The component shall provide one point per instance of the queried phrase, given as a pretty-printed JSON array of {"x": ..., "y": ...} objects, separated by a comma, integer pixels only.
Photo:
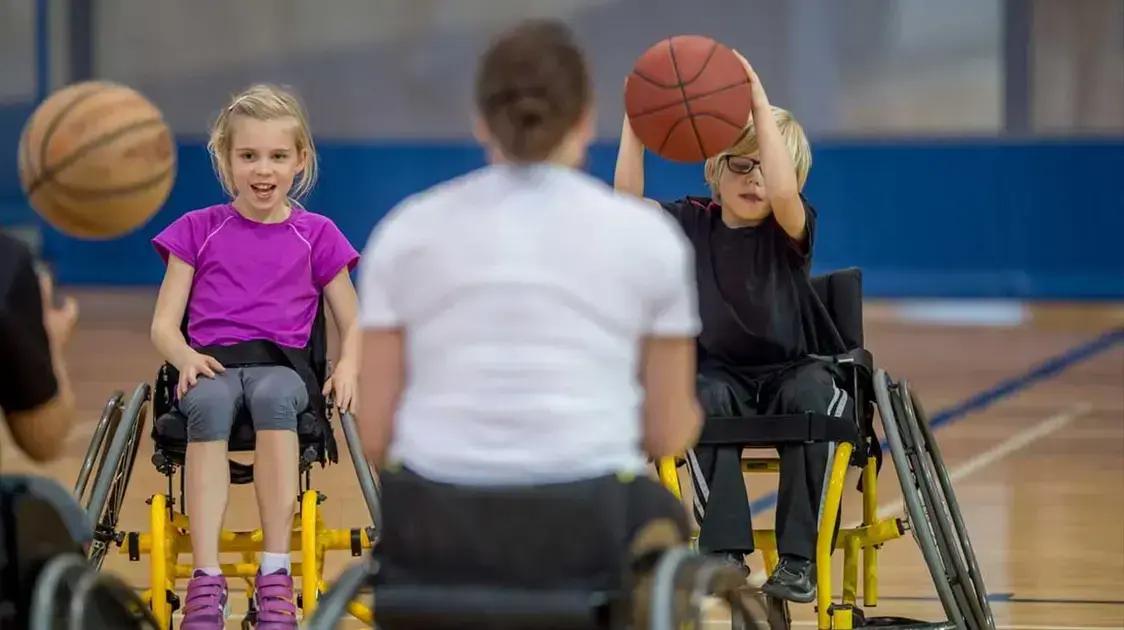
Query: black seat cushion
[
  {"x": 471, "y": 607},
  {"x": 170, "y": 431}
]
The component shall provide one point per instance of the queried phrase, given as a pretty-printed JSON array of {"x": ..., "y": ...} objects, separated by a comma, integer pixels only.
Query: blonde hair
[
  {"x": 794, "y": 140},
  {"x": 263, "y": 102}
]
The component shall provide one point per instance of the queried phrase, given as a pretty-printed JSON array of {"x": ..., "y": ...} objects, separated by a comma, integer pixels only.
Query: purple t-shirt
[{"x": 255, "y": 281}]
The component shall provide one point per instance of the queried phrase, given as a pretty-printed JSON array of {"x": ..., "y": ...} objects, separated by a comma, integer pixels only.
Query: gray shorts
[{"x": 274, "y": 395}]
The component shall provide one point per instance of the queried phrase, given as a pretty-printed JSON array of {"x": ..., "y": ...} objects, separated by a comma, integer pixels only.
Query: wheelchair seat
[
  {"x": 839, "y": 307},
  {"x": 170, "y": 431},
  {"x": 314, "y": 432}
]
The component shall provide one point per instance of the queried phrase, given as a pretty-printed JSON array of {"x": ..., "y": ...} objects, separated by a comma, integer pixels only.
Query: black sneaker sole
[{"x": 781, "y": 592}]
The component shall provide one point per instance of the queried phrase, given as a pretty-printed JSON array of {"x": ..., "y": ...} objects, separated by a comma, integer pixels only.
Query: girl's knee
[
  {"x": 209, "y": 407},
  {"x": 276, "y": 396}
]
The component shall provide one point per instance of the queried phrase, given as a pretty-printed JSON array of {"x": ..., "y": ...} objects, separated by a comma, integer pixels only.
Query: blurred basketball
[
  {"x": 688, "y": 98},
  {"x": 96, "y": 160}
]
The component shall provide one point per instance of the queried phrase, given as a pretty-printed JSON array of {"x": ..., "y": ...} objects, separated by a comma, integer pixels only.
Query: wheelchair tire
[
  {"x": 332, "y": 607},
  {"x": 683, "y": 580},
  {"x": 48, "y": 599},
  {"x": 957, "y": 546},
  {"x": 116, "y": 467},
  {"x": 367, "y": 484},
  {"x": 110, "y": 416},
  {"x": 100, "y": 600},
  {"x": 891, "y": 412}
]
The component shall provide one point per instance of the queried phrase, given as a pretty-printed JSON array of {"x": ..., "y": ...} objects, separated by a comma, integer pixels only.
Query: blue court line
[
  {"x": 1044, "y": 371},
  {"x": 1010, "y": 598}
]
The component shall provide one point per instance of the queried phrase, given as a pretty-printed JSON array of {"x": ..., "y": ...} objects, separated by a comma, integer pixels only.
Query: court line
[
  {"x": 812, "y": 624},
  {"x": 1044, "y": 371},
  {"x": 1018, "y": 441}
]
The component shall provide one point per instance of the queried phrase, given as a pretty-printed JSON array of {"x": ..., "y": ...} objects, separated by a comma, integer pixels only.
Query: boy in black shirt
[{"x": 753, "y": 243}]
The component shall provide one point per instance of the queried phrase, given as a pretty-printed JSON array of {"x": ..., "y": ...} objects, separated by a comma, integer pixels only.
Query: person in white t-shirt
[{"x": 525, "y": 324}]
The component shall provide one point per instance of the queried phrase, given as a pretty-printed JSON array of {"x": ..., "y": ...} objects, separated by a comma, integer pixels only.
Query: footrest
[{"x": 748, "y": 431}]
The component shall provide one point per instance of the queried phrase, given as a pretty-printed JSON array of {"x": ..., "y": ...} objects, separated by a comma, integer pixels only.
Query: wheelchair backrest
[
  {"x": 841, "y": 293},
  {"x": 562, "y": 535}
]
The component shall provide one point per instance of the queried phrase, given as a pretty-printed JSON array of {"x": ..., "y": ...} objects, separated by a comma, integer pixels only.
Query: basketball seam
[
  {"x": 56, "y": 122},
  {"x": 686, "y": 105},
  {"x": 95, "y": 193},
  {"x": 702, "y": 68},
  {"x": 86, "y": 148},
  {"x": 696, "y": 97}
]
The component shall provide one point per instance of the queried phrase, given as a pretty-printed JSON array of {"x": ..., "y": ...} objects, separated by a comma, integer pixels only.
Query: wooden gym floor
[{"x": 1032, "y": 427}]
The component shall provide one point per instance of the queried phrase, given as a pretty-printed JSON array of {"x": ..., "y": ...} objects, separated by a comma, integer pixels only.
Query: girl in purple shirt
[{"x": 249, "y": 271}]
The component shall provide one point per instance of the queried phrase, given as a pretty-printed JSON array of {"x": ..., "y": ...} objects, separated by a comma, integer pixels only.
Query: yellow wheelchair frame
[
  {"x": 112, "y": 452},
  {"x": 169, "y": 537},
  {"x": 867, "y": 537}
]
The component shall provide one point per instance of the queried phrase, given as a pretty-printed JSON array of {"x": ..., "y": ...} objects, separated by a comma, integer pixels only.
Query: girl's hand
[
  {"x": 193, "y": 367},
  {"x": 342, "y": 385}
]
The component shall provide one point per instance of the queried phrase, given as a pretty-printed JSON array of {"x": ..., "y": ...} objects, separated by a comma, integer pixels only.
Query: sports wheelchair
[
  {"x": 933, "y": 513},
  {"x": 112, "y": 453},
  {"x": 45, "y": 581},
  {"x": 559, "y": 556}
]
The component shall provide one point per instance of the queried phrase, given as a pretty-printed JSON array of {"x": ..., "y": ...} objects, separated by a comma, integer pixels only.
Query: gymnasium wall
[{"x": 917, "y": 176}]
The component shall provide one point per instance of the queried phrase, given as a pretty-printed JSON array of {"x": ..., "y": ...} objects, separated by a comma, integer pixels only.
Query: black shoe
[{"x": 793, "y": 580}]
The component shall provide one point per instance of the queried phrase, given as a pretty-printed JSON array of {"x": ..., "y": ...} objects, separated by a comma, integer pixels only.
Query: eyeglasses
[{"x": 742, "y": 165}]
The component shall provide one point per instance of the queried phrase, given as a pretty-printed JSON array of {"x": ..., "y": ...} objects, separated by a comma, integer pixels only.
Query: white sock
[
  {"x": 213, "y": 571},
  {"x": 271, "y": 562}
]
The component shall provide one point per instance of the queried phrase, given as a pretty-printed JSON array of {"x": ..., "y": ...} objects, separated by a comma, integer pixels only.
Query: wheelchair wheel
[
  {"x": 109, "y": 418},
  {"x": 108, "y": 493},
  {"x": 53, "y": 588},
  {"x": 891, "y": 412},
  {"x": 955, "y": 545},
  {"x": 332, "y": 607},
  {"x": 100, "y": 600},
  {"x": 682, "y": 583}
]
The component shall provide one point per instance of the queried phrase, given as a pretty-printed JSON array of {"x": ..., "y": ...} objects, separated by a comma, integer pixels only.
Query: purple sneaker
[
  {"x": 273, "y": 599},
  {"x": 205, "y": 607}
]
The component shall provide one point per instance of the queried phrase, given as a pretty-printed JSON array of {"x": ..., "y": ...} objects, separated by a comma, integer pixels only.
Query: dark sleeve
[
  {"x": 685, "y": 211},
  {"x": 27, "y": 379},
  {"x": 802, "y": 250}
]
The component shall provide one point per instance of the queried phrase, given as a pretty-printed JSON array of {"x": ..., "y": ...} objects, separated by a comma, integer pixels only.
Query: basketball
[
  {"x": 96, "y": 160},
  {"x": 688, "y": 98}
]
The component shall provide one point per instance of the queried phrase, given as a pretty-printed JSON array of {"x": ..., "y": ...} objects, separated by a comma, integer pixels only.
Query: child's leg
[
  {"x": 210, "y": 407},
  {"x": 275, "y": 395},
  {"x": 721, "y": 505},
  {"x": 809, "y": 388}
]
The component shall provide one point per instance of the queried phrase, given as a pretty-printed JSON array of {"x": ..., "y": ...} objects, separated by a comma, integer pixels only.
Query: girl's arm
[
  {"x": 344, "y": 303},
  {"x": 165, "y": 332}
]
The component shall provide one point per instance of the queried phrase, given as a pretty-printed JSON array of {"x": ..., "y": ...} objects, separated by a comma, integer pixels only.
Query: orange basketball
[
  {"x": 96, "y": 160},
  {"x": 688, "y": 98}
]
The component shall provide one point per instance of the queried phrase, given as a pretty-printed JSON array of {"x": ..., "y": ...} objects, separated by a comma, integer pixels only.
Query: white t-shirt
[{"x": 525, "y": 293}]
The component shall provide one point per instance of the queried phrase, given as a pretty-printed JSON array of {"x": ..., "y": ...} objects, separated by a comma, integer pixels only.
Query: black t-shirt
[
  {"x": 754, "y": 287},
  {"x": 27, "y": 378}
]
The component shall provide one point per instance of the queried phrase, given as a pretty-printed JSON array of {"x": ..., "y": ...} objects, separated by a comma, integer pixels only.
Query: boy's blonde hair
[
  {"x": 263, "y": 102},
  {"x": 746, "y": 143}
]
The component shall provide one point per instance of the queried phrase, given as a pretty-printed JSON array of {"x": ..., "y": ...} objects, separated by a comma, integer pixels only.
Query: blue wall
[{"x": 963, "y": 218}]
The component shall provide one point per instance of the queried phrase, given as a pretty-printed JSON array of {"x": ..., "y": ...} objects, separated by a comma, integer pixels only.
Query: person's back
[{"x": 527, "y": 289}]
